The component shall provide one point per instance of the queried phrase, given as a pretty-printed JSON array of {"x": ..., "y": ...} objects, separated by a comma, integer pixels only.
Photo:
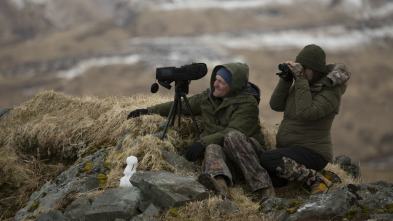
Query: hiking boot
[
  {"x": 320, "y": 186},
  {"x": 267, "y": 192},
  {"x": 332, "y": 177},
  {"x": 218, "y": 186}
]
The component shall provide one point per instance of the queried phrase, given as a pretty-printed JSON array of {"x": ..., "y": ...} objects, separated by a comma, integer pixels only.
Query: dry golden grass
[{"x": 41, "y": 137}]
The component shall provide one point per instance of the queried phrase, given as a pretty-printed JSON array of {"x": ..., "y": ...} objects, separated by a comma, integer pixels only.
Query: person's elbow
[{"x": 277, "y": 107}]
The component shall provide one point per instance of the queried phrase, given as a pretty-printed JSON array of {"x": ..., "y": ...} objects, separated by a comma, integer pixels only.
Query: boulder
[
  {"x": 351, "y": 201},
  {"x": 167, "y": 189},
  {"x": 120, "y": 203},
  {"x": 179, "y": 162},
  {"x": 54, "y": 215},
  {"x": 76, "y": 210}
]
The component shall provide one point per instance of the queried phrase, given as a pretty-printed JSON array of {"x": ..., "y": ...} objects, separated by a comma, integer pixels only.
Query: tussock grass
[
  {"x": 209, "y": 209},
  {"x": 42, "y": 137}
]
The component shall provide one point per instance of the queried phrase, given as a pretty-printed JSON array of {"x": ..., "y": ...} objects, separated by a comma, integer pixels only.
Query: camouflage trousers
[
  {"x": 237, "y": 160},
  {"x": 291, "y": 170}
]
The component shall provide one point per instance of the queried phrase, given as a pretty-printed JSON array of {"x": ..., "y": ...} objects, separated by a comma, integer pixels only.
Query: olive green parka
[
  {"x": 309, "y": 110},
  {"x": 237, "y": 111}
]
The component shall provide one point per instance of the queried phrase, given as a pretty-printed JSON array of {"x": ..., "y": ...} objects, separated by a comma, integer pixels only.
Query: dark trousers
[{"x": 270, "y": 160}]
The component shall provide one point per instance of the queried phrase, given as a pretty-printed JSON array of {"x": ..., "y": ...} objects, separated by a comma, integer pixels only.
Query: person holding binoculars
[{"x": 309, "y": 93}]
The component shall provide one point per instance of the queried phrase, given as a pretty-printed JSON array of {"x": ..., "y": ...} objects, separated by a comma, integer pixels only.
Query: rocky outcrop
[
  {"x": 158, "y": 191},
  {"x": 154, "y": 192},
  {"x": 79, "y": 178},
  {"x": 363, "y": 201}
]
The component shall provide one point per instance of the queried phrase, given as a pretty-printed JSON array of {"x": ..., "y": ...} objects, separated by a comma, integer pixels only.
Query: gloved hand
[
  {"x": 286, "y": 73},
  {"x": 194, "y": 151},
  {"x": 289, "y": 77},
  {"x": 137, "y": 113},
  {"x": 298, "y": 71}
]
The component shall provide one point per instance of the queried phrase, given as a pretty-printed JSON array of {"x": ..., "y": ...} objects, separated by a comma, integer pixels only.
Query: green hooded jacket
[
  {"x": 309, "y": 110},
  {"x": 237, "y": 111}
]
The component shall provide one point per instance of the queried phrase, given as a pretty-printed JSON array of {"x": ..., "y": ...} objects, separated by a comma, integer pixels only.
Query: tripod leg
[
  {"x": 192, "y": 115},
  {"x": 178, "y": 110},
  {"x": 171, "y": 112},
  {"x": 173, "y": 115}
]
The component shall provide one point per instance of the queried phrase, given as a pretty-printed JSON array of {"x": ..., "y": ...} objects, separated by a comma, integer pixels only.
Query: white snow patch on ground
[{"x": 82, "y": 66}]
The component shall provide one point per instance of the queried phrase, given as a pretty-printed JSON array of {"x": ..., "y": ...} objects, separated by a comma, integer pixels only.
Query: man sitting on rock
[{"x": 232, "y": 139}]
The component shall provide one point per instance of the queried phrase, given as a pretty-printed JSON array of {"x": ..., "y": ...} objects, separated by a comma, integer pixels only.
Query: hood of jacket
[
  {"x": 239, "y": 73},
  {"x": 338, "y": 75}
]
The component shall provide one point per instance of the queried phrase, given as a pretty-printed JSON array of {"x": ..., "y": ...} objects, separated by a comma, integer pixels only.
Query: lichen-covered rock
[
  {"x": 120, "y": 203},
  {"x": 167, "y": 189},
  {"x": 54, "y": 215},
  {"x": 79, "y": 178},
  {"x": 178, "y": 162},
  {"x": 349, "y": 202}
]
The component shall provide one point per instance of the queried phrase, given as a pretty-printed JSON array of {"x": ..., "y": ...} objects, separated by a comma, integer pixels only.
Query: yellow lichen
[
  {"x": 102, "y": 178},
  {"x": 389, "y": 208},
  {"x": 351, "y": 214},
  {"x": 173, "y": 212},
  {"x": 34, "y": 206},
  {"x": 292, "y": 206},
  {"x": 363, "y": 208},
  {"x": 87, "y": 167}
]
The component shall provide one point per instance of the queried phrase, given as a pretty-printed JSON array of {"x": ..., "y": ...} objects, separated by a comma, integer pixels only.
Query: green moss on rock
[
  {"x": 351, "y": 214},
  {"x": 292, "y": 206},
  {"x": 389, "y": 208},
  {"x": 365, "y": 210},
  {"x": 34, "y": 206}
]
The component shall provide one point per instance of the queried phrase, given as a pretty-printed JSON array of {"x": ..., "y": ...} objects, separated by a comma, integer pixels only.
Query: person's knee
[
  {"x": 270, "y": 160},
  {"x": 233, "y": 134},
  {"x": 232, "y": 139},
  {"x": 212, "y": 147}
]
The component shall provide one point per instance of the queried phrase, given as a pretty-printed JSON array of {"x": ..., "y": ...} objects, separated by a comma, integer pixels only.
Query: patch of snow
[
  {"x": 331, "y": 38},
  {"x": 386, "y": 10},
  {"x": 229, "y": 5},
  {"x": 82, "y": 66}
]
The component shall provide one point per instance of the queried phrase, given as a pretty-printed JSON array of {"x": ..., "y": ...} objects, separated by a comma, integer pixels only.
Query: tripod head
[{"x": 181, "y": 86}]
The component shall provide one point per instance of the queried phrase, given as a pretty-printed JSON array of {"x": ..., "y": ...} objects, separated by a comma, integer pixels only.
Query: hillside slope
[{"x": 46, "y": 135}]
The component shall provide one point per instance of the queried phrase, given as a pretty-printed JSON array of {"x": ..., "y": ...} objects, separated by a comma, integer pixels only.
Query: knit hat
[
  {"x": 224, "y": 73},
  {"x": 312, "y": 57}
]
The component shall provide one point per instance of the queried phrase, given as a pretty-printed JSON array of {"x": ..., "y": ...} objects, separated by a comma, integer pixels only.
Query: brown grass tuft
[{"x": 209, "y": 209}]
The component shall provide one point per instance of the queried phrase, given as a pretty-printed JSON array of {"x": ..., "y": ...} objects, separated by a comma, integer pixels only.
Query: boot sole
[{"x": 208, "y": 181}]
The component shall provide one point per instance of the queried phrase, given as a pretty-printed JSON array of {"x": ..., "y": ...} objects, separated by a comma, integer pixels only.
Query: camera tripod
[{"x": 181, "y": 90}]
